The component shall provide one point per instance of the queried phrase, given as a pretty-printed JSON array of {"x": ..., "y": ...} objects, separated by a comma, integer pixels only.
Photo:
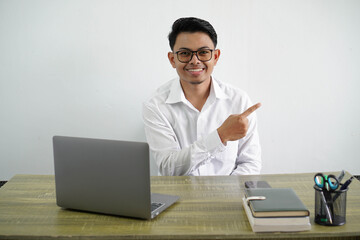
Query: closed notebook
[
  {"x": 279, "y": 202},
  {"x": 276, "y": 224}
]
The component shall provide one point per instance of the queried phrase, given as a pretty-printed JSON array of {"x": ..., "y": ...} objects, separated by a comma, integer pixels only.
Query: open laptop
[{"x": 106, "y": 176}]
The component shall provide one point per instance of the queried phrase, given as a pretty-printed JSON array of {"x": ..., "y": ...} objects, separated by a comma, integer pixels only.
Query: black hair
[{"x": 191, "y": 25}]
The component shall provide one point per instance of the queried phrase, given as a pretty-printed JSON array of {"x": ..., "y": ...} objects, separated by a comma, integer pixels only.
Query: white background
[{"x": 83, "y": 68}]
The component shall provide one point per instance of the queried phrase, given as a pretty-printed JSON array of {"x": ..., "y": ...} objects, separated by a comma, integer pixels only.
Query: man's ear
[
  {"x": 216, "y": 55},
  {"x": 171, "y": 57}
]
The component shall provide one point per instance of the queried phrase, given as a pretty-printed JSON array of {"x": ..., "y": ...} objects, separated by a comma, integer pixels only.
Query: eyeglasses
[{"x": 203, "y": 55}]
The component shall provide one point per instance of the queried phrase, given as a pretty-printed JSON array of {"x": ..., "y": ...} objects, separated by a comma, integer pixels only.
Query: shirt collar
[
  {"x": 177, "y": 94},
  {"x": 217, "y": 90}
]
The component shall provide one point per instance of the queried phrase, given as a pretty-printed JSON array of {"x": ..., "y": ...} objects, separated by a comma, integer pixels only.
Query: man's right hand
[{"x": 235, "y": 126}]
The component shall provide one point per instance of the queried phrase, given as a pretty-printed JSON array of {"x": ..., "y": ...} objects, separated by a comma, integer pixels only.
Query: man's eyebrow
[{"x": 205, "y": 47}]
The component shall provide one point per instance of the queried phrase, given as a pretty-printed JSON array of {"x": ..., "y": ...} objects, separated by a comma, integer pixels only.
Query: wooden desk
[{"x": 209, "y": 208}]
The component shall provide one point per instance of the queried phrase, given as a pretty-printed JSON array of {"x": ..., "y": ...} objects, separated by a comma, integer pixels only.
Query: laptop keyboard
[{"x": 155, "y": 206}]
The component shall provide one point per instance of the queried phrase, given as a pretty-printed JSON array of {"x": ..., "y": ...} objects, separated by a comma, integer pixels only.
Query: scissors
[{"x": 326, "y": 182}]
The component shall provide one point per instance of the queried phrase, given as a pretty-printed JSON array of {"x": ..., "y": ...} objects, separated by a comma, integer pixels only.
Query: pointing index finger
[{"x": 251, "y": 110}]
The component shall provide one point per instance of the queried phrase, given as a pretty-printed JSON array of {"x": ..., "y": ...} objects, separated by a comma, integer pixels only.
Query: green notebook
[{"x": 279, "y": 202}]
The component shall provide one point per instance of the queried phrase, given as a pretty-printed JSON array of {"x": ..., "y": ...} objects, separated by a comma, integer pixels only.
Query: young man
[{"x": 194, "y": 124}]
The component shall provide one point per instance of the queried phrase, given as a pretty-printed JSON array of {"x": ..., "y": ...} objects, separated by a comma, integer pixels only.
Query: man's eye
[
  {"x": 203, "y": 52},
  {"x": 184, "y": 54}
]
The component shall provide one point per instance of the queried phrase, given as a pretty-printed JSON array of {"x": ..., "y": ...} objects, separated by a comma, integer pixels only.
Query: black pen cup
[{"x": 330, "y": 207}]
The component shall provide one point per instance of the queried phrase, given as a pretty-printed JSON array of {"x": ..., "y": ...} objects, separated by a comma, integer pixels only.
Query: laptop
[{"x": 106, "y": 176}]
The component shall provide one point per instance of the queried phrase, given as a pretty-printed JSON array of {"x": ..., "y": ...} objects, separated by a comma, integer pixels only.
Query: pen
[
  {"x": 346, "y": 184},
  {"x": 343, "y": 187},
  {"x": 341, "y": 176}
]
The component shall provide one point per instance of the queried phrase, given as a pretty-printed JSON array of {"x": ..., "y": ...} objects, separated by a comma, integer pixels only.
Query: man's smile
[{"x": 195, "y": 71}]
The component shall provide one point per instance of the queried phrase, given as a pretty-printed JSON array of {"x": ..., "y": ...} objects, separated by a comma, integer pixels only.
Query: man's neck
[{"x": 196, "y": 94}]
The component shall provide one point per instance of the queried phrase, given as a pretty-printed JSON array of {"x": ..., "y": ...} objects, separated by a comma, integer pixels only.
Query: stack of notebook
[{"x": 281, "y": 210}]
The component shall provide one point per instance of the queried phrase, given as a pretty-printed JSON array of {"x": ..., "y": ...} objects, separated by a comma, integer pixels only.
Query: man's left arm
[{"x": 248, "y": 159}]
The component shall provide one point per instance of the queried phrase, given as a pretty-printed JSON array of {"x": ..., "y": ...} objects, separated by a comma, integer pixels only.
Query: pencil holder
[{"x": 330, "y": 207}]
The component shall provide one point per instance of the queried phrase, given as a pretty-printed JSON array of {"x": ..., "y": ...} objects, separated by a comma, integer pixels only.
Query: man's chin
[{"x": 196, "y": 82}]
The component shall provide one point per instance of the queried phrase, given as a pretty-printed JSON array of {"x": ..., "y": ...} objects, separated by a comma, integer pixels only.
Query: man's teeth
[{"x": 195, "y": 70}]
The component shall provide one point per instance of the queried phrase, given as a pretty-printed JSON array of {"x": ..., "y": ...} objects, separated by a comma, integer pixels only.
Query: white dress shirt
[{"x": 185, "y": 141}]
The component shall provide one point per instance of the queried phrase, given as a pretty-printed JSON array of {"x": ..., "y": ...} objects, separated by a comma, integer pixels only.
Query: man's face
[{"x": 195, "y": 71}]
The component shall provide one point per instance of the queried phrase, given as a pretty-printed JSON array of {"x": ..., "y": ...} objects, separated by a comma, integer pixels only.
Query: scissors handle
[
  {"x": 319, "y": 180},
  {"x": 326, "y": 182},
  {"x": 333, "y": 182}
]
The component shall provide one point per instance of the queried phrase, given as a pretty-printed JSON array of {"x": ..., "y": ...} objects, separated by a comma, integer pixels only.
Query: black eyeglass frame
[{"x": 196, "y": 53}]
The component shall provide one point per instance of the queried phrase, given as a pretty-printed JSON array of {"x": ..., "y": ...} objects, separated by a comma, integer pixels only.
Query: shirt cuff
[{"x": 213, "y": 142}]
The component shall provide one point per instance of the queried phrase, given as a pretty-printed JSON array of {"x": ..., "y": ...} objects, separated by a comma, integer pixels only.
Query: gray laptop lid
[{"x": 105, "y": 176}]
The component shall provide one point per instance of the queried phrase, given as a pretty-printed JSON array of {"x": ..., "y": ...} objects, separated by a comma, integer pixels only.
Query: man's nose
[{"x": 194, "y": 59}]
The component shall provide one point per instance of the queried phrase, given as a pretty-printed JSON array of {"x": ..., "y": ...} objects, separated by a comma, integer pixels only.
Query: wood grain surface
[{"x": 209, "y": 208}]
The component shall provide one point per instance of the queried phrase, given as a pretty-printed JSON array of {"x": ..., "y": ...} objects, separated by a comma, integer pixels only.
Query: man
[{"x": 192, "y": 123}]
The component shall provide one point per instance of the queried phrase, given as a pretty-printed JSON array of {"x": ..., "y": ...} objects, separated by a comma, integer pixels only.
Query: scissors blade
[{"x": 327, "y": 209}]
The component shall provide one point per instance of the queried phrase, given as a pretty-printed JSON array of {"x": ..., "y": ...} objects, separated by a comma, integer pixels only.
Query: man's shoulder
[
  {"x": 166, "y": 87},
  {"x": 161, "y": 93}
]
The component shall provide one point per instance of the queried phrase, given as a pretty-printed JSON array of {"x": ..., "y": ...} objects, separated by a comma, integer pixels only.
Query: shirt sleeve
[
  {"x": 248, "y": 160},
  {"x": 171, "y": 159}
]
